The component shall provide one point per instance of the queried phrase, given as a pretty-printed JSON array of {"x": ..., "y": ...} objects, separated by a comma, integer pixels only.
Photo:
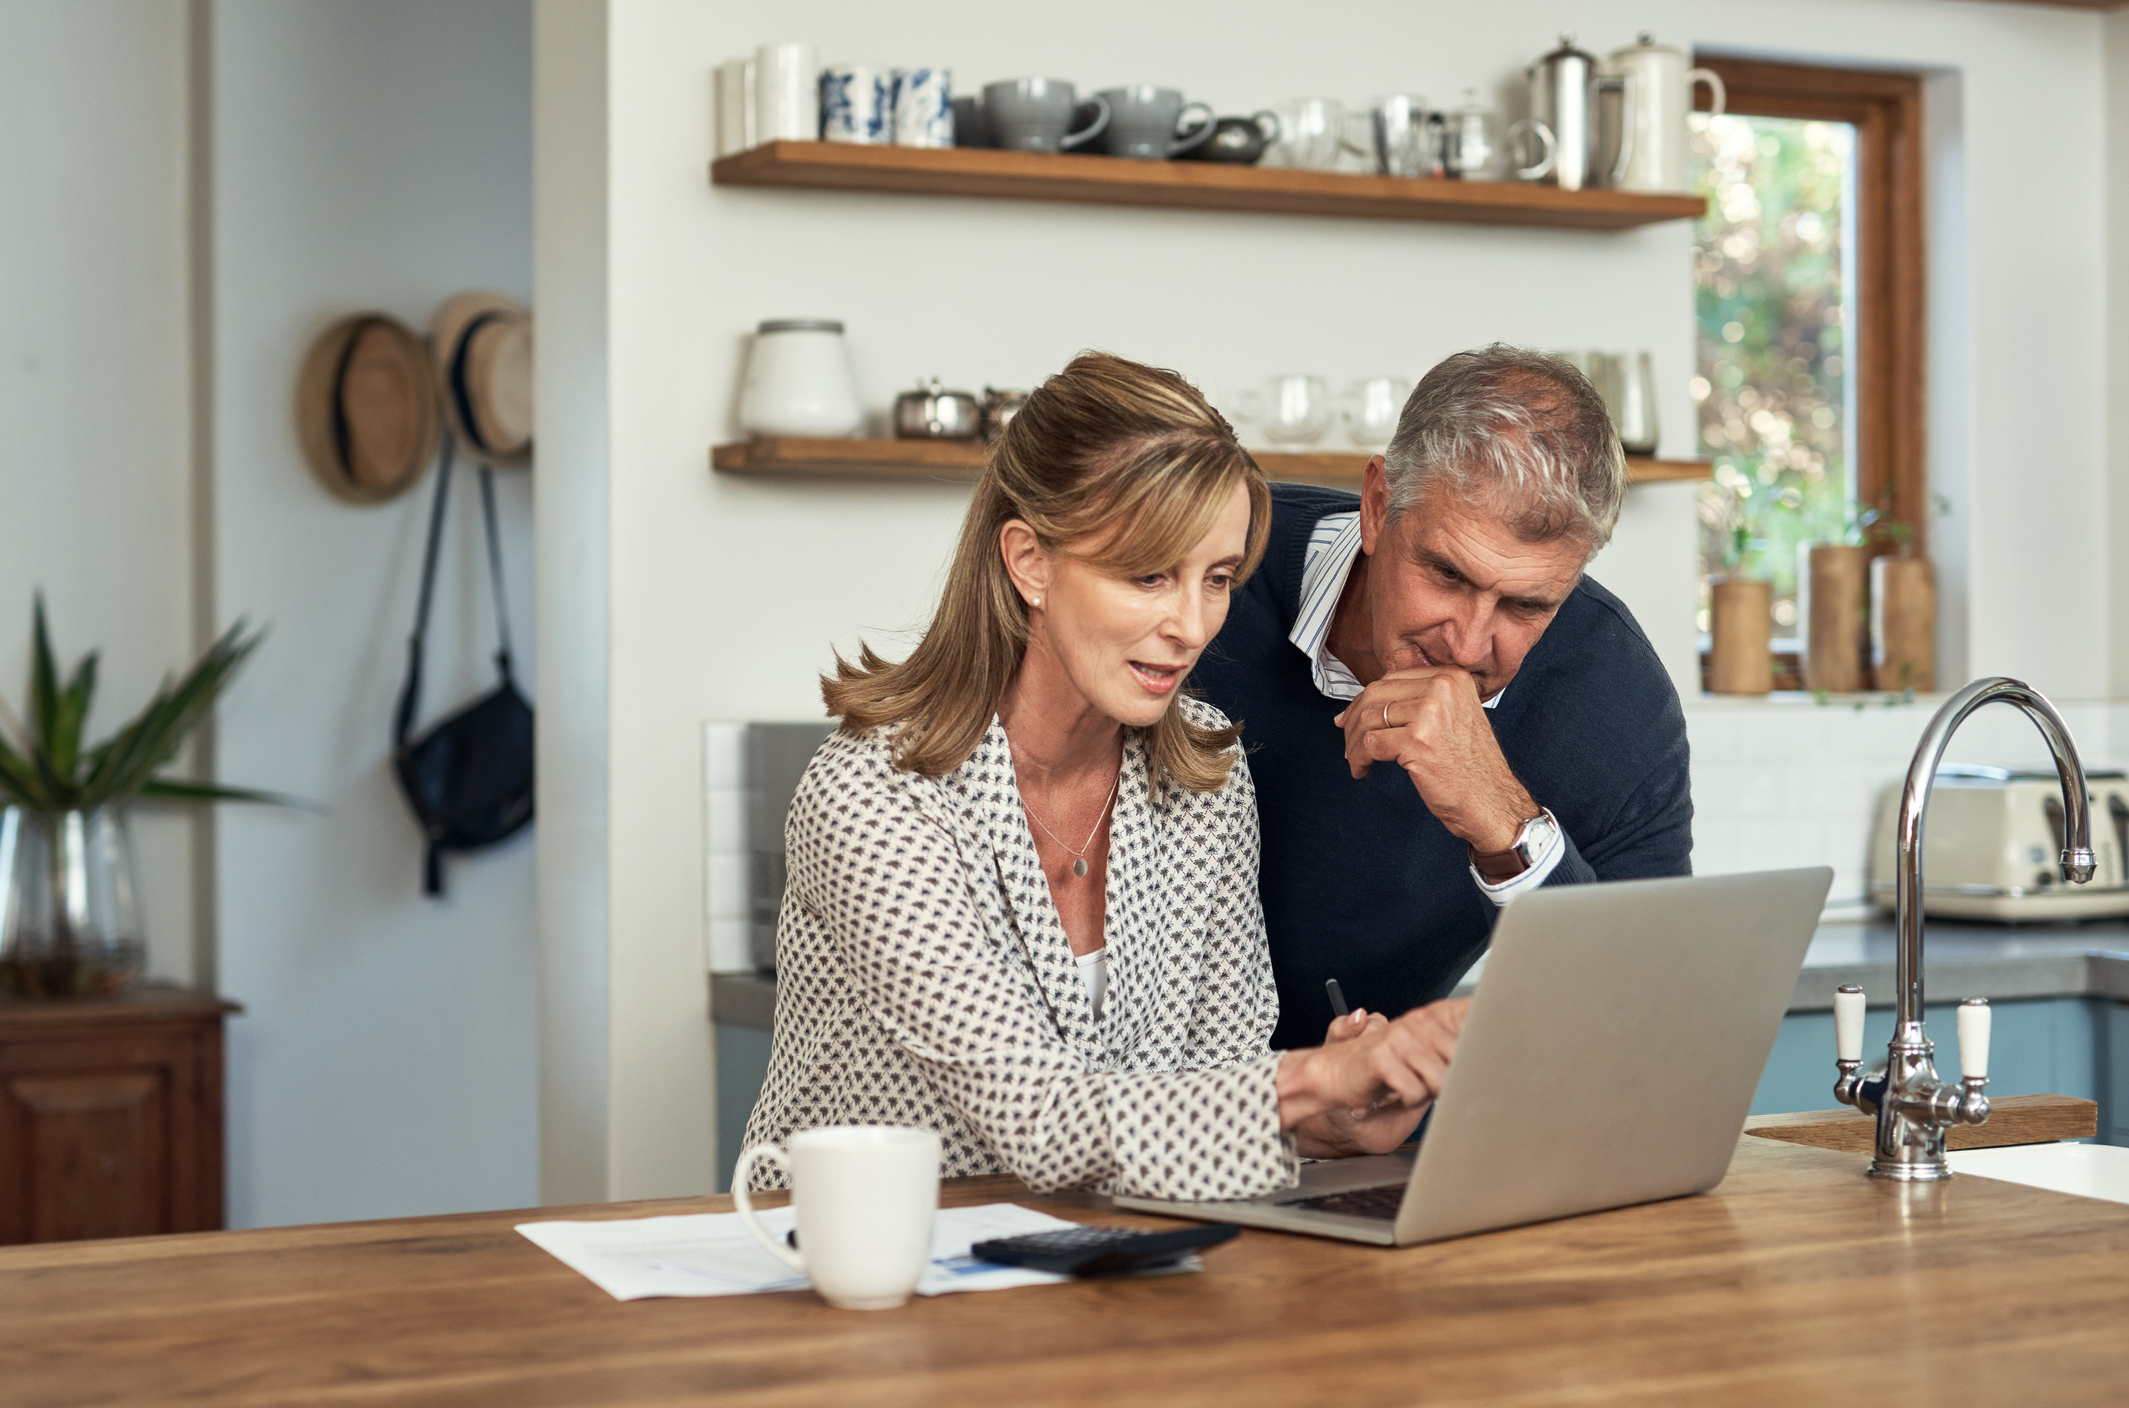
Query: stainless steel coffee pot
[{"x": 1564, "y": 89}]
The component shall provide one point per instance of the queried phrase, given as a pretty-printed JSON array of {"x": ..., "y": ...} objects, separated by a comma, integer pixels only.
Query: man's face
[{"x": 1450, "y": 584}]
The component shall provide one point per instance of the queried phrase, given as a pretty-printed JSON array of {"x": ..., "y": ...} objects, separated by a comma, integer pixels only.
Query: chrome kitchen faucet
[{"x": 1915, "y": 1108}]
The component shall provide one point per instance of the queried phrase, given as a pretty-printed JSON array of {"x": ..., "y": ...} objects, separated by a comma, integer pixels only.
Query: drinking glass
[
  {"x": 1399, "y": 139},
  {"x": 1311, "y": 135},
  {"x": 1370, "y": 408},
  {"x": 1295, "y": 409}
]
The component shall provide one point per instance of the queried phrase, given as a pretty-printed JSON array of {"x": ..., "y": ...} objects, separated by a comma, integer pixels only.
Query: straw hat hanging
[
  {"x": 366, "y": 408},
  {"x": 483, "y": 347}
]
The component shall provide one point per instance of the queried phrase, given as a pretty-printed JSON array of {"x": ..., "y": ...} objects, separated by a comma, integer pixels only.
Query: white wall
[
  {"x": 725, "y": 595},
  {"x": 364, "y": 156},
  {"x": 95, "y": 450},
  {"x": 2115, "y": 282}
]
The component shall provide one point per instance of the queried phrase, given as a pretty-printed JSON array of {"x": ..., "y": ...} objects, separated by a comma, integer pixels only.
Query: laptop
[{"x": 1609, "y": 1058}]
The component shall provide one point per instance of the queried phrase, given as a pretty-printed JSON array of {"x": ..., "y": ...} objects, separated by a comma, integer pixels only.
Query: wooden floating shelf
[
  {"x": 1189, "y": 185},
  {"x": 962, "y": 460}
]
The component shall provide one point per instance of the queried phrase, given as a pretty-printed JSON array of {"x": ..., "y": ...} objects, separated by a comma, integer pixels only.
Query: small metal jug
[{"x": 1564, "y": 89}]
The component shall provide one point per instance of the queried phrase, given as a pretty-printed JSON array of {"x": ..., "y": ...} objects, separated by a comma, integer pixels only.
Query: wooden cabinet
[{"x": 111, "y": 1116}]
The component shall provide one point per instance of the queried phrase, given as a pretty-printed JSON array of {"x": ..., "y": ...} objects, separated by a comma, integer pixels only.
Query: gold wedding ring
[{"x": 1386, "y": 716}]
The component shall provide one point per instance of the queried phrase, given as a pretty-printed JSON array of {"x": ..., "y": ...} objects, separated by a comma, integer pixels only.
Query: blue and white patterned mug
[
  {"x": 923, "y": 107},
  {"x": 855, "y": 104}
]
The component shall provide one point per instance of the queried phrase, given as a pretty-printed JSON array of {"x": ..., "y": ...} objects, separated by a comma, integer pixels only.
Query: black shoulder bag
[{"x": 468, "y": 779}]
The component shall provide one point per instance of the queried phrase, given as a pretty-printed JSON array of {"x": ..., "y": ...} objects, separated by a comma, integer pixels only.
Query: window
[{"x": 1808, "y": 294}]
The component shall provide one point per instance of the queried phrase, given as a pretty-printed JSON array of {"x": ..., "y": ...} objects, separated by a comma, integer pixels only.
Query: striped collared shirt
[{"x": 1333, "y": 546}]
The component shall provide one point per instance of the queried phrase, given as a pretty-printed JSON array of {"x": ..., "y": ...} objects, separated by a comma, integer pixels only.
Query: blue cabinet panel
[
  {"x": 2112, "y": 1022},
  {"x": 742, "y": 1065},
  {"x": 2045, "y": 1046}
]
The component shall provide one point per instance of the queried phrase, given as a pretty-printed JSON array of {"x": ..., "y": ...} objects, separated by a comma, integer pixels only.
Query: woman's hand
[{"x": 1365, "y": 1088}]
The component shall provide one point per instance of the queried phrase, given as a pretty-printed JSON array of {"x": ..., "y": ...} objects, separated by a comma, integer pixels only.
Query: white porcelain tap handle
[
  {"x": 1974, "y": 1038},
  {"x": 1848, "y": 1023}
]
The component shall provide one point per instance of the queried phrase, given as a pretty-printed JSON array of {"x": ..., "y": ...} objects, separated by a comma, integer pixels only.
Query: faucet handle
[
  {"x": 1974, "y": 1039},
  {"x": 1848, "y": 1023}
]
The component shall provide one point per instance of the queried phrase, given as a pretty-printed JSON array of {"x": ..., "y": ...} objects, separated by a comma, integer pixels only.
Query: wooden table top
[{"x": 1797, "y": 1281}]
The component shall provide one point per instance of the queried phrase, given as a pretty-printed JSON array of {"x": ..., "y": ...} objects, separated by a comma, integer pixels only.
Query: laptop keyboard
[{"x": 1379, "y": 1203}]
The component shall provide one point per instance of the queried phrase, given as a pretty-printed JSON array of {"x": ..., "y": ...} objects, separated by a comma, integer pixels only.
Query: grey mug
[
  {"x": 972, "y": 126},
  {"x": 1144, "y": 121},
  {"x": 1036, "y": 115}
]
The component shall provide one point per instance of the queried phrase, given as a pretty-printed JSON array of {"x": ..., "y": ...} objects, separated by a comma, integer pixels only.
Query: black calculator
[{"x": 1102, "y": 1251}]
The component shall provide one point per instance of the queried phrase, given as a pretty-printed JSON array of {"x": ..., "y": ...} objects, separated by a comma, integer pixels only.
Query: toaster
[{"x": 1992, "y": 847}]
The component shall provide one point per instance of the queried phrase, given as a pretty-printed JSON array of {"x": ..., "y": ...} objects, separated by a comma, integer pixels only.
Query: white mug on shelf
[
  {"x": 735, "y": 106},
  {"x": 856, "y": 105},
  {"x": 864, "y": 1197},
  {"x": 787, "y": 95},
  {"x": 798, "y": 381},
  {"x": 923, "y": 107}
]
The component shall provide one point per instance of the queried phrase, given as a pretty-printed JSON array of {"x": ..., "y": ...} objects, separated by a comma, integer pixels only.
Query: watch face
[{"x": 1537, "y": 837}]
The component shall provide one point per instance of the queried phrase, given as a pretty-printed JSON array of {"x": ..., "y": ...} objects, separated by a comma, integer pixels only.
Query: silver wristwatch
[{"x": 1532, "y": 841}]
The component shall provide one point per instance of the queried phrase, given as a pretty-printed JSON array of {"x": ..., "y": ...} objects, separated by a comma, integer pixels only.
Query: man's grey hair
[{"x": 1515, "y": 431}]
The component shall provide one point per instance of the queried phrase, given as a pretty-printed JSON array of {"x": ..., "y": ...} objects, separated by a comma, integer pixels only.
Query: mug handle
[
  {"x": 1275, "y": 131},
  {"x": 1197, "y": 138},
  {"x": 1543, "y": 166},
  {"x": 745, "y": 1204},
  {"x": 1088, "y": 133},
  {"x": 1629, "y": 97},
  {"x": 1714, "y": 82}
]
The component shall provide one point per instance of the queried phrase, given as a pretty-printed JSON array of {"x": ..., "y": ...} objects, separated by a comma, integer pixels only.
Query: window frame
[{"x": 1885, "y": 352}]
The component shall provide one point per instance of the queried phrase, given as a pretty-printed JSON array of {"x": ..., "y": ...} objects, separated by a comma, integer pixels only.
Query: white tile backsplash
[
  {"x": 1788, "y": 781},
  {"x": 724, "y": 870},
  {"x": 1777, "y": 782}
]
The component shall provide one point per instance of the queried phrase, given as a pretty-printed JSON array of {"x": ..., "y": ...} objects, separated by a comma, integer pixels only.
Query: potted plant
[
  {"x": 69, "y": 919},
  {"x": 1740, "y": 623},
  {"x": 1903, "y": 608}
]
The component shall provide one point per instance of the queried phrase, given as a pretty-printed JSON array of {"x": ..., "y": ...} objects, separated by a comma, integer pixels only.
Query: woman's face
[{"x": 1126, "y": 644}]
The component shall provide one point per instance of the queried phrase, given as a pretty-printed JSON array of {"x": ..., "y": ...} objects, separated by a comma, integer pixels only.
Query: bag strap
[
  {"x": 410, "y": 693},
  {"x": 495, "y": 574},
  {"x": 404, "y": 716}
]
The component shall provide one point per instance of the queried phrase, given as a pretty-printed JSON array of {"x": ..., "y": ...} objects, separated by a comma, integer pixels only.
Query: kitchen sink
[{"x": 2088, "y": 1170}]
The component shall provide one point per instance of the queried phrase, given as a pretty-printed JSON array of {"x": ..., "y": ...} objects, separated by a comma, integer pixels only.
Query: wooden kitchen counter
[{"x": 1797, "y": 1281}]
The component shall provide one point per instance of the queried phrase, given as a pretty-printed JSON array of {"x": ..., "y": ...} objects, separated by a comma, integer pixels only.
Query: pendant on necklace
[{"x": 1079, "y": 867}]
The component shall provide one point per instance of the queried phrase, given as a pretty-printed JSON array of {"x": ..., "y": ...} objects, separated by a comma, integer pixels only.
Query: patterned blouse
[{"x": 924, "y": 978}]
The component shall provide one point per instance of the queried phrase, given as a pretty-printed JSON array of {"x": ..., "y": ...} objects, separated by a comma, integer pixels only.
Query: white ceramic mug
[
  {"x": 857, "y": 105},
  {"x": 798, "y": 381},
  {"x": 735, "y": 106},
  {"x": 787, "y": 94},
  {"x": 864, "y": 1197},
  {"x": 923, "y": 107}
]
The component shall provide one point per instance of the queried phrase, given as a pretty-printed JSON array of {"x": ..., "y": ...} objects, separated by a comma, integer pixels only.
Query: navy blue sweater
[{"x": 1360, "y": 882}]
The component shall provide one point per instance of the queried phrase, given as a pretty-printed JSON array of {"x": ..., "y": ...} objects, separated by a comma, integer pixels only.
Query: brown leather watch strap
[{"x": 1500, "y": 865}]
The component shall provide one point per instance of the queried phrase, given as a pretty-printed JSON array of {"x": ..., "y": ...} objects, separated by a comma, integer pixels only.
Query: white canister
[
  {"x": 1659, "y": 97},
  {"x": 735, "y": 106},
  {"x": 787, "y": 95},
  {"x": 923, "y": 107},
  {"x": 798, "y": 381},
  {"x": 856, "y": 105}
]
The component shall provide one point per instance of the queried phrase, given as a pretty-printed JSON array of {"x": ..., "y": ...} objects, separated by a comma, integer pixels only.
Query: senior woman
[{"x": 1022, "y": 900}]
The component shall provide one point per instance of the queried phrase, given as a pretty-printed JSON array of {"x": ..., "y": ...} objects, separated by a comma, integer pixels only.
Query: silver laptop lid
[{"x": 1612, "y": 1049}]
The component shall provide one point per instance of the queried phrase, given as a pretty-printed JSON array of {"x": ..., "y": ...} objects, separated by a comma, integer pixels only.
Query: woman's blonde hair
[{"x": 1125, "y": 461}]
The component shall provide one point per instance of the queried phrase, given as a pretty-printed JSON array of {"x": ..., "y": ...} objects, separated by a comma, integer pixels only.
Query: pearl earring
[{"x": 1034, "y": 601}]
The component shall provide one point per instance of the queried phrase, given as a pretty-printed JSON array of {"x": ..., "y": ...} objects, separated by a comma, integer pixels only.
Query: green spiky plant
[
  {"x": 43, "y": 765},
  {"x": 44, "y": 769}
]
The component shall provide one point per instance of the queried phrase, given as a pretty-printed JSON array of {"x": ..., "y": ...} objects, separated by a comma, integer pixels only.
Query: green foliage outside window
[{"x": 1771, "y": 302}]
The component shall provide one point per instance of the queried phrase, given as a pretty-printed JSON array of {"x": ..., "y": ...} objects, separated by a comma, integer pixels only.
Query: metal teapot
[{"x": 1564, "y": 89}]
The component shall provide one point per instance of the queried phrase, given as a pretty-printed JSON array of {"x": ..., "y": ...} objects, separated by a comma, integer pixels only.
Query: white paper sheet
[{"x": 712, "y": 1254}]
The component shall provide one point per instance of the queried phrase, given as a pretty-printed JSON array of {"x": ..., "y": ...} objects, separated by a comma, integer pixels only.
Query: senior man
[{"x": 1440, "y": 626}]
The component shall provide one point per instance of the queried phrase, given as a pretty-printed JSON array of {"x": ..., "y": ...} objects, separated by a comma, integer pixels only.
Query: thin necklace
[{"x": 1079, "y": 863}]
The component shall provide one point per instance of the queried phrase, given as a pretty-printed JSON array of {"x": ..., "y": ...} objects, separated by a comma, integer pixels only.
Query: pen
[{"x": 1337, "y": 997}]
